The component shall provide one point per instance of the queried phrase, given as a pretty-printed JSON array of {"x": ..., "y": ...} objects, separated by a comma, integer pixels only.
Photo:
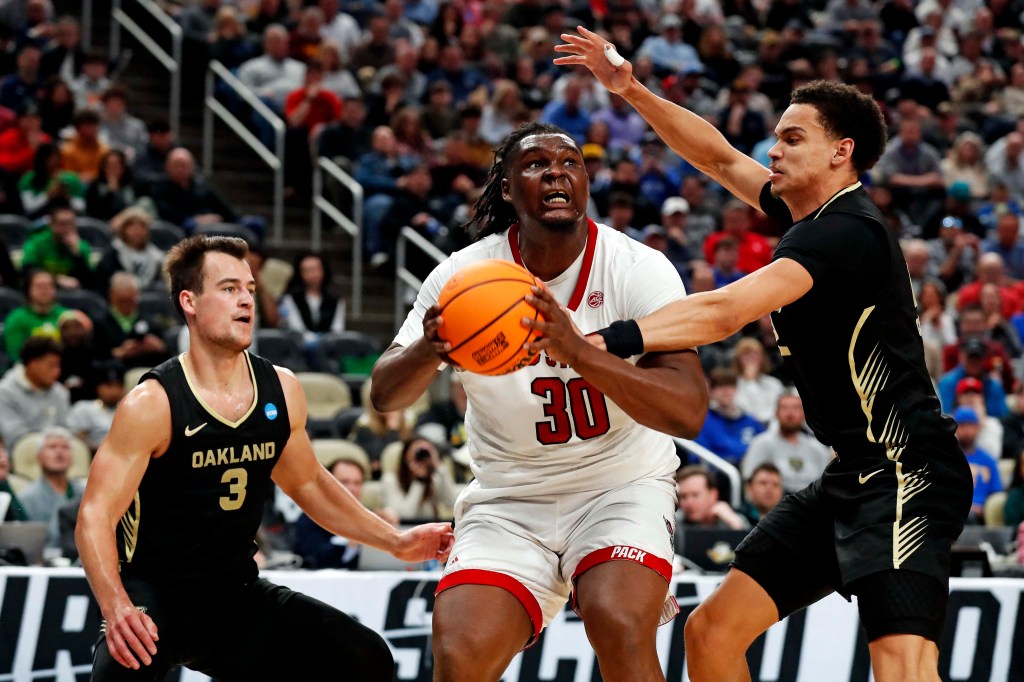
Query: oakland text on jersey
[{"x": 228, "y": 455}]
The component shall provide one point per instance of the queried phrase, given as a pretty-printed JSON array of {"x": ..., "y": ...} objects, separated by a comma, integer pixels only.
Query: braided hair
[{"x": 492, "y": 214}]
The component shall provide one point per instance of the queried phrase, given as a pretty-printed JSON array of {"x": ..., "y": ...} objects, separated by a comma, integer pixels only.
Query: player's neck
[
  {"x": 547, "y": 253},
  {"x": 216, "y": 369},
  {"x": 816, "y": 196}
]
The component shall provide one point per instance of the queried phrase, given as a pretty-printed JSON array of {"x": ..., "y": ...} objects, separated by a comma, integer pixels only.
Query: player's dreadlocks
[{"x": 494, "y": 215}]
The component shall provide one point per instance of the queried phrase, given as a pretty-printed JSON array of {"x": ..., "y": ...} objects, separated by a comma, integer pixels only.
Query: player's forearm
[
  {"x": 334, "y": 508},
  {"x": 684, "y": 132},
  {"x": 402, "y": 374},
  {"x": 696, "y": 320},
  {"x": 660, "y": 398},
  {"x": 94, "y": 537}
]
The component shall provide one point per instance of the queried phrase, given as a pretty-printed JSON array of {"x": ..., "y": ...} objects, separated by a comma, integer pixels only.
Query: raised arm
[
  {"x": 332, "y": 506},
  {"x": 403, "y": 373},
  {"x": 687, "y": 134},
  {"x": 114, "y": 478}
]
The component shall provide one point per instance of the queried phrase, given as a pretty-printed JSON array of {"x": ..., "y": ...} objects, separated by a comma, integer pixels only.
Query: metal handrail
[
  {"x": 352, "y": 226},
  {"x": 403, "y": 275},
  {"x": 731, "y": 472},
  {"x": 171, "y": 62},
  {"x": 273, "y": 159}
]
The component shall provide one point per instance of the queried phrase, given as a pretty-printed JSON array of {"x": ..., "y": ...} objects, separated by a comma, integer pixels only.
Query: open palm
[{"x": 588, "y": 49}]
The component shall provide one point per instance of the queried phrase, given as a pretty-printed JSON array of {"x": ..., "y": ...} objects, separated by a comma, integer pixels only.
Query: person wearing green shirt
[
  {"x": 59, "y": 249},
  {"x": 46, "y": 182},
  {"x": 37, "y": 317}
]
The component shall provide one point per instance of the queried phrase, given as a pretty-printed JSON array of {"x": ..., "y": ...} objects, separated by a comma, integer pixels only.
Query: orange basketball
[{"x": 481, "y": 306}]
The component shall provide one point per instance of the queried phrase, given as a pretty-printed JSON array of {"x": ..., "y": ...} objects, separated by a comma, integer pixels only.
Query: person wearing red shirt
[
  {"x": 306, "y": 111},
  {"x": 755, "y": 250},
  {"x": 18, "y": 143}
]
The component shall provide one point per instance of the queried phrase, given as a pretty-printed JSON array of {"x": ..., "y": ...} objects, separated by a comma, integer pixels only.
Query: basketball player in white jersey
[{"x": 573, "y": 490}]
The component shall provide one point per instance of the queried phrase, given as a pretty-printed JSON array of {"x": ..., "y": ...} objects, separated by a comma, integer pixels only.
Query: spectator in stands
[
  {"x": 1006, "y": 242},
  {"x": 37, "y": 317},
  {"x": 991, "y": 270},
  {"x": 127, "y": 335},
  {"x": 699, "y": 504},
  {"x": 150, "y": 165},
  {"x": 723, "y": 263},
  {"x": 382, "y": 172},
  {"x": 938, "y": 328},
  {"x": 667, "y": 49},
  {"x": 763, "y": 490},
  {"x": 412, "y": 138},
  {"x": 953, "y": 253},
  {"x": 307, "y": 110},
  {"x": 113, "y": 190},
  {"x": 319, "y": 548},
  {"x": 917, "y": 256},
  {"x": 31, "y": 398},
  {"x": 60, "y": 250},
  {"x": 501, "y": 111},
  {"x": 185, "y": 199},
  {"x": 339, "y": 28},
  {"x": 268, "y": 13},
  {"x": 376, "y": 50},
  {"x": 25, "y": 84},
  {"x": 53, "y": 488},
  {"x": 463, "y": 78},
  {"x": 910, "y": 168},
  {"x": 346, "y": 139},
  {"x": 131, "y": 251},
  {"x": 337, "y": 78},
  {"x": 373, "y": 431},
  {"x": 90, "y": 420},
  {"x": 15, "y": 510},
  {"x": 47, "y": 182},
  {"x": 267, "y": 314},
  {"x": 1005, "y": 160},
  {"x": 973, "y": 354},
  {"x": 310, "y": 307},
  {"x": 83, "y": 151},
  {"x": 964, "y": 163},
  {"x": 754, "y": 250},
  {"x": 197, "y": 20},
  {"x": 997, "y": 203},
  {"x": 983, "y": 466},
  {"x": 64, "y": 57},
  {"x": 405, "y": 66},
  {"x": 970, "y": 392},
  {"x": 305, "y": 39},
  {"x": 798, "y": 455},
  {"x": 727, "y": 430},
  {"x": 92, "y": 82},
  {"x": 274, "y": 74},
  {"x": 757, "y": 391},
  {"x": 118, "y": 128},
  {"x": 996, "y": 324},
  {"x": 742, "y": 126},
  {"x": 230, "y": 43},
  {"x": 77, "y": 355},
  {"x": 440, "y": 117},
  {"x": 422, "y": 488},
  {"x": 567, "y": 113},
  {"x": 19, "y": 142},
  {"x": 56, "y": 106}
]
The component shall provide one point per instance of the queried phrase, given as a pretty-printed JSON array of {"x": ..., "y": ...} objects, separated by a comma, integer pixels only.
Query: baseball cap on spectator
[
  {"x": 592, "y": 150},
  {"x": 73, "y": 316},
  {"x": 960, "y": 191},
  {"x": 674, "y": 205},
  {"x": 653, "y": 230},
  {"x": 969, "y": 385},
  {"x": 965, "y": 415},
  {"x": 669, "y": 21},
  {"x": 974, "y": 348}
]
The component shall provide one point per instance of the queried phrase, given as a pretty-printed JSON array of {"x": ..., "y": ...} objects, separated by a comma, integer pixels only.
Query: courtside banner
[{"x": 49, "y": 623}]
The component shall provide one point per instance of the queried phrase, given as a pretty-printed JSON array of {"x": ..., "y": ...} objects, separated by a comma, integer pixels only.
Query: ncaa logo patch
[
  {"x": 596, "y": 299},
  {"x": 270, "y": 409}
]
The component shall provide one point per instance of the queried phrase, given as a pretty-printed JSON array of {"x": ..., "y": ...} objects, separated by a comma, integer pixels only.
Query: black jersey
[
  {"x": 197, "y": 510},
  {"x": 853, "y": 342}
]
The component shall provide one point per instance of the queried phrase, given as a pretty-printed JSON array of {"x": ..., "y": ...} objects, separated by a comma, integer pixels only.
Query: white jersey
[{"x": 544, "y": 429}]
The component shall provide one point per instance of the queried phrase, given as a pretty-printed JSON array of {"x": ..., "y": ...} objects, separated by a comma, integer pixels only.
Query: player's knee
[
  {"x": 703, "y": 632},
  {"x": 618, "y": 626}
]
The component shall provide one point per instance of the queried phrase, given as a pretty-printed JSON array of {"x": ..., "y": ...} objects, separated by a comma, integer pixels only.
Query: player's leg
[
  {"x": 274, "y": 633},
  {"x": 621, "y": 605},
  {"x": 620, "y": 555},
  {"x": 478, "y": 630},
  {"x": 903, "y": 613}
]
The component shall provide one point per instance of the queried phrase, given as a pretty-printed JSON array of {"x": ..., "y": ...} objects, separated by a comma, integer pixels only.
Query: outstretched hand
[
  {"x": 425, "y": 542},
  {"x": 558, "y": 336},
  {"x": 588, "y": 49}
]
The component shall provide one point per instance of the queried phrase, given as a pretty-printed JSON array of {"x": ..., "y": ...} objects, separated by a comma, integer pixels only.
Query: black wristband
[{"x": 623, "y": 338}]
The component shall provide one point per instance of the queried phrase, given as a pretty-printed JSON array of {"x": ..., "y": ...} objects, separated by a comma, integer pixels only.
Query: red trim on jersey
[
  {"x": 588, "y": 260},
  {"x": 621, "y": 553},
  {"x": 475, "y": 576}
]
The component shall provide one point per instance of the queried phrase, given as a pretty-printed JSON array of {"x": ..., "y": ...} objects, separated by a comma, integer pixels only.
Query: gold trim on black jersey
[
  {"x": 130, "y": 527},
  {"x": 213, "y": 413}
]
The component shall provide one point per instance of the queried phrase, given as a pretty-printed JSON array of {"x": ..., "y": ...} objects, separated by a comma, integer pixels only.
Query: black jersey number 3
[{"x": 572, "y": 405}]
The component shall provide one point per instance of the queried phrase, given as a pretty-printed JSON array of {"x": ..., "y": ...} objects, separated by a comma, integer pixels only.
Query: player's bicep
[
  {"x": 141, "y": 429},
  {"x": 297, "y": 466},
  {"x": 768, "y": 289}
]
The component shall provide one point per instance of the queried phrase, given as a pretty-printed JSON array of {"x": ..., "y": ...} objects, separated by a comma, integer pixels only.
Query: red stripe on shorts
[
  {"x": 624, "y": 553},
  {"x": 475, "y": 576}
]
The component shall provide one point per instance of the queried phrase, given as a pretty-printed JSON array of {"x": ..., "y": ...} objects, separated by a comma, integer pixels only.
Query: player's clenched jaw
[
  {"x": 225, "y": 309},
  {"x": 800, "y": 158},
  {"x": 547, "y": 183}
]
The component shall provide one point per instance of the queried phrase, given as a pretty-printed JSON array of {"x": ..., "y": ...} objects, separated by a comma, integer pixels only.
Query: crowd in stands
[{"x": 410, "y": 97}]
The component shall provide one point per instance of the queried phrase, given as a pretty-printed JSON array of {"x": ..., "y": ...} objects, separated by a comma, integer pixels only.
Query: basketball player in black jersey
[
  {"x": 167, "y": 525},
  {"x": 882, "y": 519}
]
